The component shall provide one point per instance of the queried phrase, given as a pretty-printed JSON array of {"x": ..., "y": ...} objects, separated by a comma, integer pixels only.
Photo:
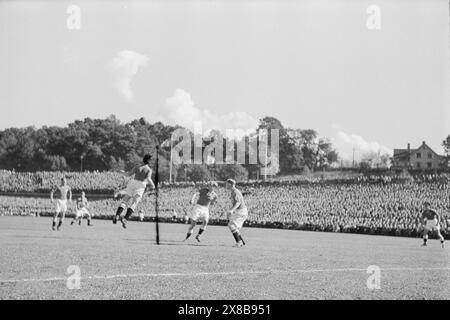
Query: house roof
[
  {"x": 400, "y": 151},
  {"x": 403, "y": 154},
  {"x": 428, "y": 147}
]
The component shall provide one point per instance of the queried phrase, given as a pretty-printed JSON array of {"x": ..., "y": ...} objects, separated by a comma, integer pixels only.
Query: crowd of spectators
[
  {"x": 108, "y": 181},
  {"x": 93, "y": 182},
  {"x": 374, "y": 205}
]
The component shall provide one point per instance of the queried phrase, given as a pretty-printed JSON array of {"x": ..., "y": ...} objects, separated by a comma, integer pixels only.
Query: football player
[
  {"x": 61, "y": 192},
  {"x": 142, "y": 178},
  {"x": 82, "y": 210},
  {"x": 237, "y": 214},
  {"x": 431, "y": 222},
  {"x": 200, "y": 212}
]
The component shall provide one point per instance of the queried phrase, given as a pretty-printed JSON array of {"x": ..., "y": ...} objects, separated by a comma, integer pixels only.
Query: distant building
[{"x": 422, "y": 158}]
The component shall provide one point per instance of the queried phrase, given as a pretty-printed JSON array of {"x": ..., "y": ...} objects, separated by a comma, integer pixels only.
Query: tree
[
  {"x": 446, "y": 145},
  {"x": 56, "y": 163},
  {"x": 198, "y": 172},
  {"x": 233, "y": 171},
  {"x": 290, "y": 157},
  {"x": 317, "y": 152},
  {"x": 364, "y": 165},
  {"x": 116, "y": 164},
  {"x": 18, "y": 148},
  {"x": 376, "y": 160},
  {"x": 108, "y": 144}
]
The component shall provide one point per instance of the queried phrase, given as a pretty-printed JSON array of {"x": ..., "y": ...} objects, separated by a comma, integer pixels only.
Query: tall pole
[
  {"x": 81, "y": 163},
  {"x": 267, "y": 147},
  {"x": 157, "y": 195},
  {"x": 170, "y": 166},
  {"x": 353, "y": 161},
  {"x": 264, "y": 134}
]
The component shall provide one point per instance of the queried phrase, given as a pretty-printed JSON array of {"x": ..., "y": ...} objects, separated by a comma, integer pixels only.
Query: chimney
[
  {"x": 409, "y": 147},
  {"x": 423, "y": 142}
]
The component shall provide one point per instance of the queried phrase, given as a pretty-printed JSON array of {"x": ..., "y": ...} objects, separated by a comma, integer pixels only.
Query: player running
[
  {"x": 142, "y": 178},
  {"x": 430, "y": 223},
  {"x": 238, "y": 213},
  {"x": 82, "y": 210},
  {"x": 200, "y": 212},
  {"x": 61, "y": 193}
]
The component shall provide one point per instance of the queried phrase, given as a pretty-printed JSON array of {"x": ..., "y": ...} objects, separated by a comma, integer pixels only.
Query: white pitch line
[{"x": 224, "y": 273}]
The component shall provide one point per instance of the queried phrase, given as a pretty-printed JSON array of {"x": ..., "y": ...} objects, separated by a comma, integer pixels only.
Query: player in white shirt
[
  {"x": 61, "y": 192},
  {"x": 237, "y": 214},
  {"x": 142, "y": 178},
  {"x": 82, "y": 210}
]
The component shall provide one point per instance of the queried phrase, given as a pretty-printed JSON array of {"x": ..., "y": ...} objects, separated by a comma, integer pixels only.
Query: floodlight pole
[{"x": 170, "y": 167}]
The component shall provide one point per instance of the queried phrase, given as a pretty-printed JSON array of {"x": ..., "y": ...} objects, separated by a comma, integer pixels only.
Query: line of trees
[{"x": 108, "y": 144}]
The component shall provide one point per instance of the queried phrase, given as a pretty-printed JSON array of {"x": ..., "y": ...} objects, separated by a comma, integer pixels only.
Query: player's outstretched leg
[
  {"x": 55, "y": 218},
  {"x": 61, "y": 219},
  {"x": 440, "y": 238},
  {"x": 190, "y": 229},
  {"x": 89, "y": 220},
  {"x": 127, "y": 216},
  {"x": 425, "y": 238},
  {"x": 236, "y": 234},
  {"x": 118, "y": 213},
  {"x": 73, "y": 220},
  {"x": 201, "y": 230},
  {"x": 240, "y": 237}
]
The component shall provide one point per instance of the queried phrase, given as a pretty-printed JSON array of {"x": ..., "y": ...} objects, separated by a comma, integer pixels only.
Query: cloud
[
  {"x": 344, "y": 144},
  {"x": 181, "y": 110},
  {"x": 124, "y": 67}
]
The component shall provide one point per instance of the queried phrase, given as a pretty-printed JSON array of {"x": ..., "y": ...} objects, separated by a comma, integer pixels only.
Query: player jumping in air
[
  {"x": 238, "y": 213},
  {"x": 142, "y": 178},
  {"x": 82, "y": 210},
  {"x": 200, "y": 212},
  {"x": 430, "y": 223},
  {"x": 61, "y": 193}
]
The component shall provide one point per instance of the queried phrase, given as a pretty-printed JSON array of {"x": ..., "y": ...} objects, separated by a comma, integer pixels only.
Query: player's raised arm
[
  {"x": 194, "y": 198},
  {"x": 214, "y": 199},
  {"x": 51, "y": 195},
  {"x": 150, "y": 181},
  {"x": 438, "y": 217},
  {"x": 70, "y": 194},
  {"x": 128, "y": 173}
]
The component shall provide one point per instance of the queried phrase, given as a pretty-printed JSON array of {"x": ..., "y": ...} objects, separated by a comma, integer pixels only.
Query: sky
[{"x": 311, "y": 64}]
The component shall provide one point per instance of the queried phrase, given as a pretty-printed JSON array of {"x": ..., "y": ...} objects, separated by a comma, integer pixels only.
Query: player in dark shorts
[
  {"x": 431, "y": 222},
  {"x": 142, "y": 178},
  {"x": 200, "y": 212},
  {"x": 60, "y": 192}
]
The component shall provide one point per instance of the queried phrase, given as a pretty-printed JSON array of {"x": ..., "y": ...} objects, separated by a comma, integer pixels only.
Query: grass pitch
[{"x": 118, "y": 263}]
